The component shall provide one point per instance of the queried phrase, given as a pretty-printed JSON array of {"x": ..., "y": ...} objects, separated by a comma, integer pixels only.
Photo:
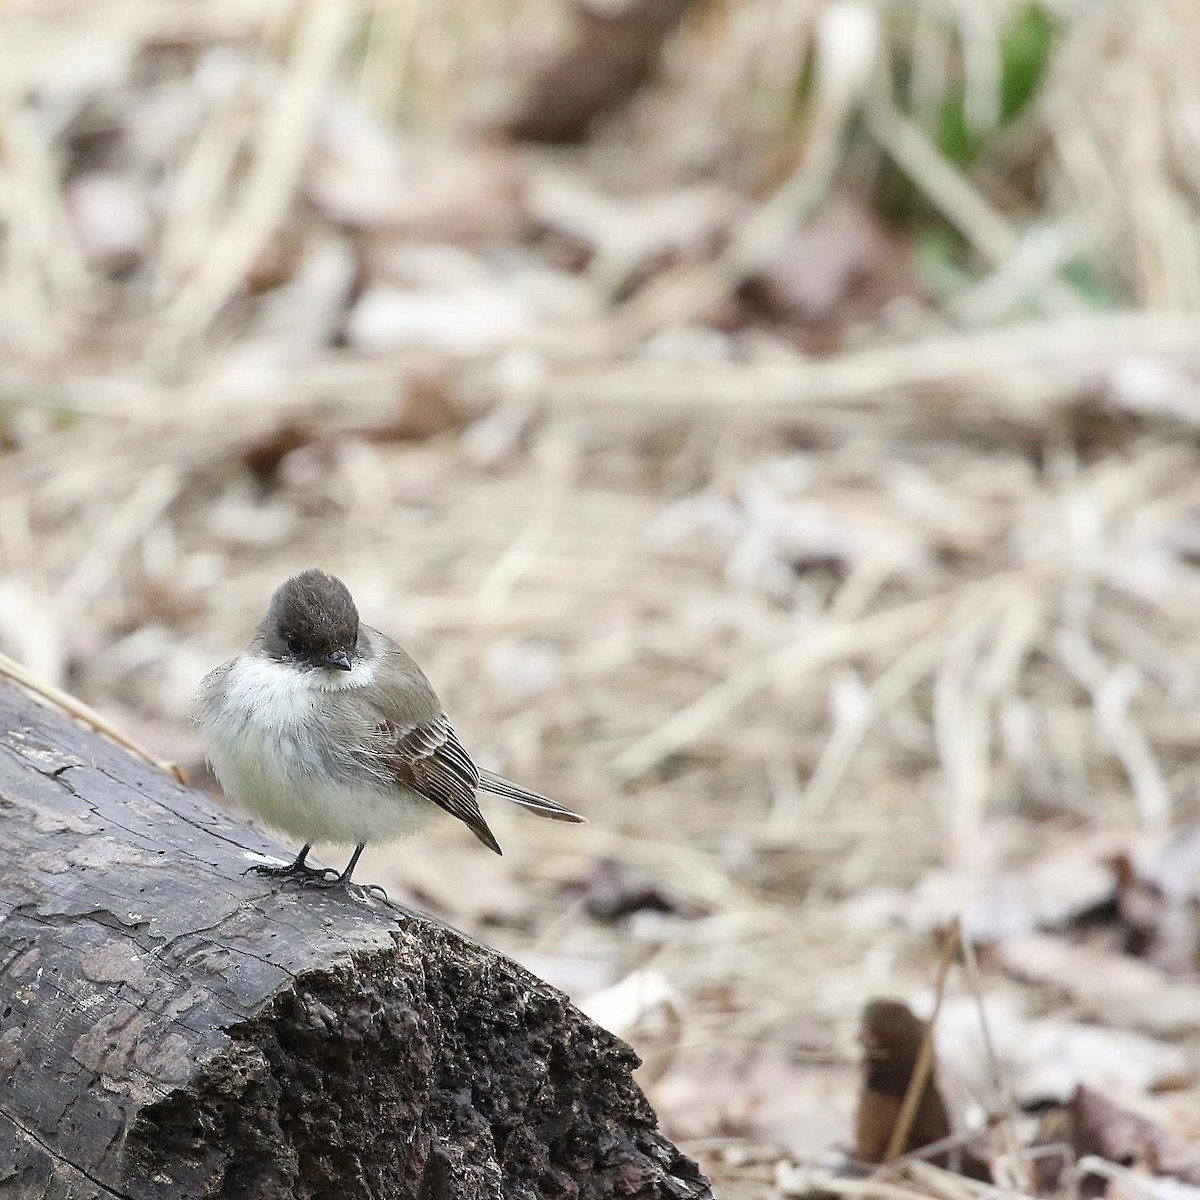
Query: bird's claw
[
  {"x": 354, "y": 890},
  {"x": 323, "y": 876}
]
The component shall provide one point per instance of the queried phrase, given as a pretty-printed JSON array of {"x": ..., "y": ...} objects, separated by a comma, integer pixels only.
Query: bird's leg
[
  {"x": 298, "y": 869},
  {"x": 343, "y": 880},
  {"x": 344, "y": 877}
]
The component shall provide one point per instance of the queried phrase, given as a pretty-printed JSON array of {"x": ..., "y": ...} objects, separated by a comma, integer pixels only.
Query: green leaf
[{"x": 1025, "y": 48}]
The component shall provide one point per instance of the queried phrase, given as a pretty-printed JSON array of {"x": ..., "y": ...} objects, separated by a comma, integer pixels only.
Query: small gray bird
[{"x": 327, "y": 730}]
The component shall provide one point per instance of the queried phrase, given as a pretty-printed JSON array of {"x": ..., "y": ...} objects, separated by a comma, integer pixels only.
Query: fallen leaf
[
  {"x": 891, "y": 1037},
  {"x": 1043, "y": 1060},
  {"x": 1159, "y": 902},
  {"x": 362, "y": 177},
  {"x": 602, "y": 55},
  {"x": 1109, "y": 987},
  {"x": 756, "y": 1090},
  {"x": 613, "y": 889},
  {"x": 842, "y": 266},
  {"x": 1068, "y": 883},
  {"x": 1106, "y": 1128}
]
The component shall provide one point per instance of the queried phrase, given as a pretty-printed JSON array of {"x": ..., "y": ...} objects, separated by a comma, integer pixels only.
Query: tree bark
[{"x": 171, "y": 1027}]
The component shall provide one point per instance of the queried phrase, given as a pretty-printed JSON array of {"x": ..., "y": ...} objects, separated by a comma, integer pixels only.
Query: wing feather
[{"x": 431, "y": 760}]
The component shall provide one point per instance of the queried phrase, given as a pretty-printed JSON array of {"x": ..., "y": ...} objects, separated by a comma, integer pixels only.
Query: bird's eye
[{"x": 294, "y": 644}]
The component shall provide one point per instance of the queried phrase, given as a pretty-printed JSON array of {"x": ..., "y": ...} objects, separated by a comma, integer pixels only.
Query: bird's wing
[
  {"x": 413, "y": 742},
  {"x": 208, "y": 694},
  {"x": 429, "y": 759}
]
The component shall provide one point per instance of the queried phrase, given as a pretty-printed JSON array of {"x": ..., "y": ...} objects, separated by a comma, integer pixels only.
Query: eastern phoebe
[{"x": 327, "y": 730}]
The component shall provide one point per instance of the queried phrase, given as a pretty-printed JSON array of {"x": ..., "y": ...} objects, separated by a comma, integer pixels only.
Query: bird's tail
[{"x": 489, "y": 781}]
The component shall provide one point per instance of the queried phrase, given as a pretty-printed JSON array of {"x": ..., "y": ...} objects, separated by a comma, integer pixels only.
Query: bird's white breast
[{"x": 268, "y": 744}]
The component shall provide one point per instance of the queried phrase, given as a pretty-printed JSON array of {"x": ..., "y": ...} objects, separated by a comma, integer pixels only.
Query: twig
[
  {"x": 390, "y": 30},
  {"x": 1040, "y": 254},
  {"x": 44, "y": 265},
  {"x": 896, "y": 682},
  {"x": 1130, "y": 744},
  {"x": 1092, "y": 1164},
  {"x": 150, "y": 498},
  {"x": 815, "y": 650},
  {"x": 33, "y": 176},
  {"x": 1000, "y": 1084},
  {"x": 946, "y": 1184},
  {"x": 924, "y": 1065},
  {"x": 65, "y": 702},
  {"x": 198, "y": 197},
  {"x": 498, "y": 584},
  {"x": 946, "y": 187},
  {"x": 961, "y": 726},
  {"x": 288, "y": 127},
  {"x": 847, "y": 44},
  {"x": 861, "y": 1187},
  {"x": 1076, "y": 349}
]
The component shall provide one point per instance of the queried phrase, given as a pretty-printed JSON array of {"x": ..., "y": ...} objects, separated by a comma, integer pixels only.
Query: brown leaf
[
  {"x": 1105, "y": 1128},
  {"x": 604, "y": 55},
  {"x": 613, "y": 889},
  {"x": 1159, "y": 902},
  {"x": 842, "y": 267},
  {"x": 1060, "y": 887},
  {"x": 891, "y": 1037}
]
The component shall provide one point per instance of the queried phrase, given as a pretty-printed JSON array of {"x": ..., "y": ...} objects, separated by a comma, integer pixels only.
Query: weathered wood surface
[{"x": 172, "y": 1027}]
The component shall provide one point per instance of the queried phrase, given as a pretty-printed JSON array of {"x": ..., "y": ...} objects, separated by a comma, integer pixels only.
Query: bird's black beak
[{"x": 339, "y": 659}]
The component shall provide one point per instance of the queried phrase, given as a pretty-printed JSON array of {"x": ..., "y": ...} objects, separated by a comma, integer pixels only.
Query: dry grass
[{"x": 787, "y": 629}]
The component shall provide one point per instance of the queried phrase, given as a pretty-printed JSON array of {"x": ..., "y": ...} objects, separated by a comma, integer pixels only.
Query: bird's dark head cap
[{"x": 313, "y": 621}]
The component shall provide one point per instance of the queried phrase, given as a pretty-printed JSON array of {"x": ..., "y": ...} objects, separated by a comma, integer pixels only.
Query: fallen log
[{"x": 171, "y": 1027}]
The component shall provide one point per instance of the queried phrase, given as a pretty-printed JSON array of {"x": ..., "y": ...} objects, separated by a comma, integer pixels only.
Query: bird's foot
[
  {"x": 356, "y": 891},
  {"x": 323, "y": 877},
  {"x": 327, "y": 878},
  {"x": 301, "y": 872}
]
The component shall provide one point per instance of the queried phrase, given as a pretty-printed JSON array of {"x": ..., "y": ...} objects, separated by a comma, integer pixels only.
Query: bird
[{"x": 326, "y": 730}]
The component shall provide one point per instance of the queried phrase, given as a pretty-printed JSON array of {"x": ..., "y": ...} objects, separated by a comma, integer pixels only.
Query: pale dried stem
[
  {"x": 65, "y": 702},
  {"x": 842, "y": 71},
  {"x": 1072, "y": 351},
  {"x": 288, "y": 124},
  {"x": 817, "y": 650},
  {"x": 923, "y": 1068},
  {"x": 1018, "y": 1162}
]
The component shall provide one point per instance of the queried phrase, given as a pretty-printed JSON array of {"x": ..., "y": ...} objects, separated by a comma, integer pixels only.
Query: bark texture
[{"x": 171, "y": 1027}]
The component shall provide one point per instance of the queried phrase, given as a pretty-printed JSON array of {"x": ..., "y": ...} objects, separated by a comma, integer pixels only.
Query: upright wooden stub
[{"x": 173, "y": 1028}]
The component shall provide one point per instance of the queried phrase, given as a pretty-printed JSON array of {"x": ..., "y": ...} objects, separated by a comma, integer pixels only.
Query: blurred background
[{"x": 772, "y": 424}]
